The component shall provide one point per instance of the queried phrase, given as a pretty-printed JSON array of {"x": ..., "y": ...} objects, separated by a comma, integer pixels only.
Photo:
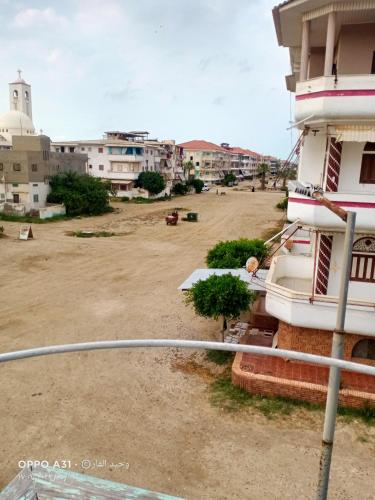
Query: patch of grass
[
  {"x": 366, "y": 414},
  {"x": 363, "y": 439},
  {"x": 225, "y": 395},
  {"x": 268, "y": 233},
  {"x": 93, "y": 234},
  {"x": 35, "y": 220},
  {"x": 219, "y": 357}
]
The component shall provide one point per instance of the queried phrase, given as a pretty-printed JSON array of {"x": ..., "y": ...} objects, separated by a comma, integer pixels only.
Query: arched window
[
  {"x": 15, "y": 94},
  {"x": 26, "y": 95},
  {"x": 363, "y": 260},
  {"x": 364, "y": 349},
  {"x": 368, "y": 164}
]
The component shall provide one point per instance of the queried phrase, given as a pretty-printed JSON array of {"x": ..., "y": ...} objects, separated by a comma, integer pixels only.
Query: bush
[
  {"x": 228, "y": 179},
  {"x": 80, "y": 193},
  {"x": 180, "y": 189},
  {"x": 197, "y": 185},
  {"x": 283, "y": 204},
  {"x": 152, "y": 181},
  {"x": 234, "y": 254}
]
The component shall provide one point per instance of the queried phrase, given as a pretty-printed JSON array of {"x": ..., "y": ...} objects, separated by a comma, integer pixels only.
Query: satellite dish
[{"x": 252, "y": 264}]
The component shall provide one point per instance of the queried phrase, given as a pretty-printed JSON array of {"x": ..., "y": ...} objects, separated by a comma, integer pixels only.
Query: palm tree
[
  {"x": 188, "y": 166},
  {"x": 263, "y": 168},
  {"x": 287, "y": 173}
]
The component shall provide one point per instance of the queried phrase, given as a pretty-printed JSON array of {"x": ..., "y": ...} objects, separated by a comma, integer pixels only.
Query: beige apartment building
[
  {"x": 25, "y": 171},
  {"x": 211, "y": 162}
]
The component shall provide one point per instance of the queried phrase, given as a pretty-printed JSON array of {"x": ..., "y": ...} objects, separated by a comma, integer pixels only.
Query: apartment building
[
  {"x": 244, "y": 162},
  {"x": 121, "y": 156},
  {"x": 332, "y": 54},
  {"x": 25, "y": 171}
]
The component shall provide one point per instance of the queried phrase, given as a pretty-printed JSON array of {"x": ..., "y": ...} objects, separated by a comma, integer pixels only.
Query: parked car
[{"x": 206, "y": 187}]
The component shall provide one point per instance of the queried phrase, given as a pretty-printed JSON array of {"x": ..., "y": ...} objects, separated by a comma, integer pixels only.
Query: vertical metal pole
[{"x": 337, "y": 352}]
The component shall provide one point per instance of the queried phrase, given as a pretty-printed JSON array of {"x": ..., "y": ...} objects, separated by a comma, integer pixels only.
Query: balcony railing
[
  {"x": 327, "y": 98},
  {"x": 290, "y": 298}
]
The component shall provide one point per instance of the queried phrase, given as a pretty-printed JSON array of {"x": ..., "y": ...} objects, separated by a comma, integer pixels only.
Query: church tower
[{"x": 20, "y": 96}]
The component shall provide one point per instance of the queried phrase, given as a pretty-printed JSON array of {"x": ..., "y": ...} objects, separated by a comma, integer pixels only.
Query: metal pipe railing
[{"x": 188, "y": 344}]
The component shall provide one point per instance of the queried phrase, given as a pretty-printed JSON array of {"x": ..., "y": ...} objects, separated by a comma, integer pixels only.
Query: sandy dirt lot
[{"x": 134, "y": 406}]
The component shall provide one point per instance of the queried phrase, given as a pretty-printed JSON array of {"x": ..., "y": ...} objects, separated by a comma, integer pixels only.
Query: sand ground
[{"x": 135, "y": 407}]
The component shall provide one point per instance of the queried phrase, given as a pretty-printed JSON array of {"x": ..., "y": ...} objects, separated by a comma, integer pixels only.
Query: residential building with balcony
[
  {"x": 244, "y": 163},
  {"x": 332, "y": 54},
  {"x": 211, "y": 162},
  {"x": 121, "y": 156}
]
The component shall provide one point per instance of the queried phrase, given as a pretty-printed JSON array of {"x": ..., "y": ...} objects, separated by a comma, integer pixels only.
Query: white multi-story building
[
  {"x": 332, "y": 52},
  {"x": 121, "y": 156}
]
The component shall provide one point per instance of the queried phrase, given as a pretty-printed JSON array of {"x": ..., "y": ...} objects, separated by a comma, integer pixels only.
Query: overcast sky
[{"x": 181, "y": 69}]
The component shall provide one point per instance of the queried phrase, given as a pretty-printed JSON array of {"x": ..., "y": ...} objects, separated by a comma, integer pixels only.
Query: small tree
[
  {"x": 234, "y": 254},
  {"x": 223, "y": 296},
  {"x": 263, "y": 169},
  {"x": 189, "y": 169},
  {"x": 180, "y": 188},
  {"x": 152, "y": 181},
  {"x": 229, "y": 178},
  {"x": 197, "y": 185},
  {"x": 80, "y": 193}
]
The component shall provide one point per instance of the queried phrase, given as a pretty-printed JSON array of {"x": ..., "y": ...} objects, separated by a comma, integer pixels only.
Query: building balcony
[
  {"x": 351, "y": 97},
  {"x": 126, "y": 176},
  {"x": 289, "y": 298},
  {"x": 312, "y": 213}
]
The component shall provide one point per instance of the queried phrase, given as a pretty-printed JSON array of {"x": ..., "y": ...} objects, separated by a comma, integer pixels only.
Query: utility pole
[{"x": 337, "y": 347}]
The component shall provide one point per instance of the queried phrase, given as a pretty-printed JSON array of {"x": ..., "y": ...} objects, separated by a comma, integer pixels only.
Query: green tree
[
  {"x": 223, "y": 296},
  {"x": 287, "y": 174},
  {"x": 189, "y": 169},
  {"x": 180, "y": 188},
  {"x": 234, "y": 254},
  {"x": 229, "y": 178},
  {"x": 152, "y": 181},
  {"x": 263, "y": 169},
  {"x": 80, "y": 193},
  {"x": 197, "y": 185}
]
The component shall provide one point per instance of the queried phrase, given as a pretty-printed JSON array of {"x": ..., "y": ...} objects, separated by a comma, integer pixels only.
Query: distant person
[
  {"x": 252, "y": 189},
  {"x": 274, "y": 185}
]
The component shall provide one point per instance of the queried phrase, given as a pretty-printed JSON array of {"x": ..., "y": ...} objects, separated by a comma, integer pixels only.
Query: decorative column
[
  {"x": 305, "y": 49},
  {"x": 324, "y": 260},
  {"x": 330, "y": 43},
  {"x": 333, "y": 165}
]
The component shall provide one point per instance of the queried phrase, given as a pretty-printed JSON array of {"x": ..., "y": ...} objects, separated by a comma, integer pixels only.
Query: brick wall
[
  {"x": 271, "y": 384},
  {"x": 295, "y": 338}
]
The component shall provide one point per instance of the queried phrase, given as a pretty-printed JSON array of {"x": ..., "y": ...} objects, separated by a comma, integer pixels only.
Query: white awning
[
  {"x": 255, "y": 283},
  {"x": 354, "y": 133}
]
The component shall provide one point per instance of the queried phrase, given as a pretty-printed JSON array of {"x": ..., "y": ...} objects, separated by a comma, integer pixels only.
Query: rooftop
[{"x": 200, "y": 145}]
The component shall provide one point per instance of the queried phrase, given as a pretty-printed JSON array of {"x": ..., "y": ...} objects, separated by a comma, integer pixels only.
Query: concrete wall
[
  {"x": 316, "y": 62},
  {"x": 312, "y": 158},
  {"x": 355, "y": 49},
  {"x": 350, "y": 170}
]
